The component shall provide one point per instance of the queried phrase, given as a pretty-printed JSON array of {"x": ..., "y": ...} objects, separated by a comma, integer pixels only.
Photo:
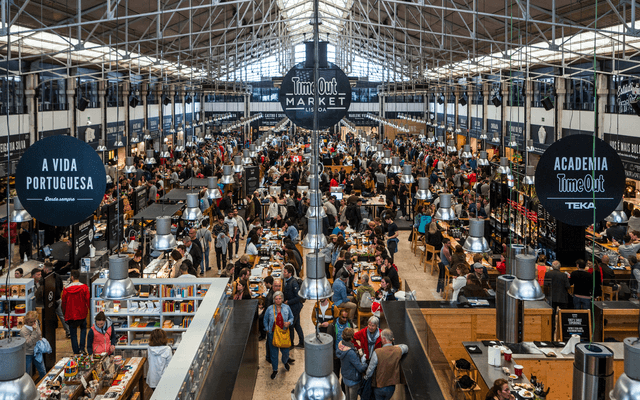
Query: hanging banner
[
  {"x": 297, "y": 95},
  {"x": 575, "y": 176},
  {"x": 628, "y": 147},
  {"x": 60, "y": 180}
]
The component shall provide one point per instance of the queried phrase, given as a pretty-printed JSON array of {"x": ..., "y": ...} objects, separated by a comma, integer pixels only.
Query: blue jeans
[
  {"x": 580, "y": 303},
  {"x": 73, "y": 330},
  {"x": 275, "y": 352},
  {"x": 204, "y": 264},
  {"x": 384, "y": 393},
  {"x": 39, "y": 366}
]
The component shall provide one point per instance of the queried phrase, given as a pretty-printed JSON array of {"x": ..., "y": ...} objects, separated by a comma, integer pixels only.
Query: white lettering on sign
[
  {"x": 493, "y": 125},
  {"x": 60, "y": 182},
  {"x": 325, "y": 88},
  {"x": 586, "y": 184},
  {"x": 581, "y": 164},
  {"x": 579, "y": 205}
]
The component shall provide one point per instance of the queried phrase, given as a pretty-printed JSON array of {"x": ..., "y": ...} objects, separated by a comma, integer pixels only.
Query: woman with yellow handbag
[{"x": 277, "y": 319}]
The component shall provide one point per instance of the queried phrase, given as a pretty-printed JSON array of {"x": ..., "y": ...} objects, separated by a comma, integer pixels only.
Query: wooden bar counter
[{"x": 452, "y": 325}]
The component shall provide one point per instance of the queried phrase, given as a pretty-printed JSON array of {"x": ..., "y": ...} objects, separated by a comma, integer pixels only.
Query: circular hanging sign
[
  {"x": 569, "y": 177},
  {"x": 297, "y": 96},
  {"x": 60, "y": 180}
]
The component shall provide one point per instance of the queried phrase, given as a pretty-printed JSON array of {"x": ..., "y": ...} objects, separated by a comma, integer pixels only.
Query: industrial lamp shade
[
  {"x": 163, "y": 240},
  {"x": 150, "y": 158},
  {"x": 192, "y": 212},
  {"x": 119, "y": 285},
  {"x": 618, "y": 216},
  {"x": 227, "y": 177},
  {"x": 476, "y": 243},
  {"x": 15, "y": 384},
  {"x": 212, "y": 192},
  {"x": 445, "y": 211},
  {"x": 129, "y": 168},
  {"x": 19, "y": 214}
]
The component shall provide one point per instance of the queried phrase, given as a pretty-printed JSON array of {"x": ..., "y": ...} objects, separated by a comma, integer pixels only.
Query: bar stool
[{"x": 456, "y": 391}]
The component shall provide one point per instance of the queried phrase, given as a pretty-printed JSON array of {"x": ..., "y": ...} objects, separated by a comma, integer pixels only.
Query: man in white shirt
[{"x": 233, "y": 232}]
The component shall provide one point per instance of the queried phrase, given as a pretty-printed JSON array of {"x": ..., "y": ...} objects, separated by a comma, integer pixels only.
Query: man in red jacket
[
  {"x": 75, "y": 305},
  {"x": 368, "y": 339}
]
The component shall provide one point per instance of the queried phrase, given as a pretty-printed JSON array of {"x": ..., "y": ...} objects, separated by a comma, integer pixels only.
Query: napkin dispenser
[{"x": 495, "y": 357}]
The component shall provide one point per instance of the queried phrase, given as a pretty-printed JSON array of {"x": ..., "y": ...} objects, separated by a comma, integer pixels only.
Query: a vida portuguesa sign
[
  {"x": 573, "y": 179},
  {"x": 297, "y": 96},
  {"x": 60, "y": 180}
]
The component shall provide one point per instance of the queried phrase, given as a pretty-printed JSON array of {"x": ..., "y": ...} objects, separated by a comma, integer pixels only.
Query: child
[{"x": 159, "y": 355}]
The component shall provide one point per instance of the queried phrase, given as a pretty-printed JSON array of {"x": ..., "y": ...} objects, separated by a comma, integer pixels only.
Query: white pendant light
[
  {"x": 101, "y": 146},
  {"x": 129, "y": 168},
  {"x": 407, "y": 176},
  {"x": 150, "y": 159},
  {"x": 423, "y": 192},
  {"x": 440, "y": 142},
  {"x": 483, "y": 160},
  {"x": 530, "y": 146},
  {"x": 530, "y": 176},
  {"x": 395, "y": 167},
  {"x": 118, "y": 142},
  {"x": 237, "y": 165},
  {"x": 134, "y": 138},
  {"x": 387, "y": 158},
  {"x": 147, "y": 135},
  {"x": 179, "y": 146},
  {"x": 165, "y": 151},
  {"x": 466, "y": 153}
]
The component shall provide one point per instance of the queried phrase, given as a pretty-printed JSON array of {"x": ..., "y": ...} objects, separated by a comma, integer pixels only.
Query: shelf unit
[
  {"x": 27, "y": 298},
  {"x": 165, "y": 298}
]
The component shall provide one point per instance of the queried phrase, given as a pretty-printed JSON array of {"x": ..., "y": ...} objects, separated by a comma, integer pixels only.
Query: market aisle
[{"x": 280, "y": 388}]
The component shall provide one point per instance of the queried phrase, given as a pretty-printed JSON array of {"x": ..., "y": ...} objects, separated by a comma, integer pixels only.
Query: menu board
[
  {"x": 82, "y": 238},
  {"x": 251, "y": 179},
  {"x": 575, "y": 322},
  {"x": 139, "y": 199},
  {"x": 112, "y": 225}
]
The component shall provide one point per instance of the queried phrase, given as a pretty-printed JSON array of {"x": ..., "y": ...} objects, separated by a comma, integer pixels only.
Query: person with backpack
[
  {"x": 365, "y": 294},
  {"x": 323, "y": 314}
]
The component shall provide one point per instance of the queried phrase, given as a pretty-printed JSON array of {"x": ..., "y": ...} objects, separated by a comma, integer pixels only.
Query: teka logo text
[{"x": 579, "y": 205}]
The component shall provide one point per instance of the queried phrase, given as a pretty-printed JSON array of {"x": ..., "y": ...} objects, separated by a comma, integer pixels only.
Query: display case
[
  {"x": 21, "y": 300},
  {"x": 169, "y": 304}
]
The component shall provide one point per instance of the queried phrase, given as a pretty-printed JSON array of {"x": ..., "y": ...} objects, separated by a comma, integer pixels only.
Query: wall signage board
[
  {"x": 569, "y": 177},
  {"x": 476, "y": 127},
  {"x": 18, "y": 144},
  {"x": 628, "y": 147},
  {"x": 153, "y": 123},
  {"x": 297, "y": 96},
  {"x": 515, "y": 132},
  {"x": 136, "y": 126},
  {"x": 543, "y": 137},
  {"x": 462, "y": 122},
  {"x": 167, "y": 122},
  {"x": 494, "y": 125},
  {"x": 60, "y": 180}
]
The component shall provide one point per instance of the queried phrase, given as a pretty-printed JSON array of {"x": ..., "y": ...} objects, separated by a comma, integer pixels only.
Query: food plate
[
  {"x": 275, "y": 274},
  {"x": 526, "y": 394},
  {"x": 512, "y": 376},
  {"x": 376, "y": 278}
]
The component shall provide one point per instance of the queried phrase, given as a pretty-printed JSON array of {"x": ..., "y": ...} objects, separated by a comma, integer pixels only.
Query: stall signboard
[
  {"x": 515, "y": 132},
  {"x": 575, "y": 322},
  {"x": 476, "y": 127},
  {"x": 297, "y": 95},
  {"x": 628, "y": 147},
  {"x": 167, "y": 122},
  {"x": 494, "y": 125},
  {"x": 360, "y": 119},
  {"x": 463, "y": 122},
  {"x": 139, "y": 199},
  {"x": 251, "y": 179},
  {"x": 136, "y": 126},
  {"x": 60, "y": 180},
  {"x": 578, "y": 180},
  {"x": 153, "y": 124},
  {"x": 82, "y": 238},
  {"x": 18, "y": 144},
  {"x": 115, "y": 221}
]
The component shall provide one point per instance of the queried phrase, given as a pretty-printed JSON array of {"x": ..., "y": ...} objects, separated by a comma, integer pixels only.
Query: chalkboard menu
[
  {"x": 112, "y": 225},
  {"x": 139, "y": 199},
  {"x": 82, "y": 238},
  {"x": 251, "y": 179},
  {"x": 575, "y": 322}
]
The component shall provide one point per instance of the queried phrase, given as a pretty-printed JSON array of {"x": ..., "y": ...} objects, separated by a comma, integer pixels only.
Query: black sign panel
[
  {"x": 575, "y": 322},
  {"x": 543, "y": 137},
  {"x": 251, "y": 179},
  {"x": 360, "y": 119},
  {"x": 112, "y": 225},
  {"x": 494, "y": 125},
  {"x": 60, "y": 180},
  {"x": 82, "y": 238},
  {"x": 139, "y": 199},
  {"x": 462, "y": 122},
  {"x": 476, "y": 127},
  {"x": 90, "y": 134},
  {"x": 297, "y": 96},
  {"x": 628, "y": 147},
  {"x": 515, "y": 132},
  {"x": 17, "y": 145},
  {"x": 572, "y": 173}
]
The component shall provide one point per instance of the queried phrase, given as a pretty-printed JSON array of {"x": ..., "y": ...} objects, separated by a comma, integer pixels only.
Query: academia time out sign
[
  {"x": 60, "y": 180},
  {"x": 297, "y": 96},
  {"x": 575, "y": 177}
]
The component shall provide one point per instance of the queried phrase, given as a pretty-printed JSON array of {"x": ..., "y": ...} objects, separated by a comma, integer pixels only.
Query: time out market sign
[
  {"x": 573, "y": 179},
  {"x": 60, "y": 180},
  {"x": 297, "y": 96}
]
